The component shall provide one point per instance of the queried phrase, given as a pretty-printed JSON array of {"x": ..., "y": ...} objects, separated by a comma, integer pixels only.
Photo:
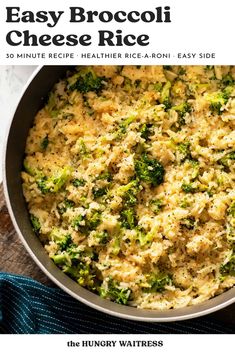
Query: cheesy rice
[{"x": 129, "y": 181}]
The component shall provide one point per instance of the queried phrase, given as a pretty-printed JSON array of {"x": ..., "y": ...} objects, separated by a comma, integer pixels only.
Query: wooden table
[{"x": 15, "y": 259}]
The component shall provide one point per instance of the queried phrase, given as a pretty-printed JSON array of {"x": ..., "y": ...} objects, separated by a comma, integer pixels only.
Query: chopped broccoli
[
  {"x": 83, "y": 274},
  {"x": 83, "y": 150},
  {"x": 229, "y": 267},
  {"x": 144, "y": 238},
  {"x": 54, "y": 183},
  {"x": 61, "y": 259},
  {"x": 167, "y": 67},
  {"x": 157, "y": 86},
  {"x": 219, "y": 99},
  {"x": 182, "y": 109},
  {"x": 130, "y": 195},
  {"x": 42, "y": 185},
  {"x": 79, "y": 224},
  {"x": 165, "y": 95},
  {"x": 78, "y": 182},
  {"x": 184, "y": 151},
  {"x": 149, "y": 170},
  {"x": 102, "y": 237},
  {"x": 29, "y": 169},
  {"x": 227, "y": 80},
  {"x": 145, "y": 131},
  {"x": 158, "y": 282},
  {"x": 116, "y": 245},
  {"x": 182, "y": 71},
  {"x": 62, "y": 207},
  {"x": 85, "y": 81},
  {"x": 129, "y": 192},
  {"x": 184, "y": 203},
  {"x": 115, "y": 292},
  {"x": 44, "y": 143},
  {"x": 126, "y": 122},
  {"x": 99, "y": 192},
  {"x": 156, "y": 205},
  {"x": 188, "y": 188},
  {"x": 35, "y": 223},
  {"x": 105, "y": 176},
  {"x": 231, "y": 209},
  {"x": 226, "y": 160},
  {"x": 63, "y": 240},
  {"x": 128, "y": 218},
  {"x": 188, "y": 223},
  {"x": 85, "y": 224}
]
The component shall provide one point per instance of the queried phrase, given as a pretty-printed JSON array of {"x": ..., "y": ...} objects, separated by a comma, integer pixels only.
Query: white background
[
  {"x": 197, "y": 26},
  {"x": 12, "y": 81},
  {"x": 171, "y": 343}
]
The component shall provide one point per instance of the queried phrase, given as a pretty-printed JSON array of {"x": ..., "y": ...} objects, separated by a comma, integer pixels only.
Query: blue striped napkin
[{"x": 27, "y": 306}]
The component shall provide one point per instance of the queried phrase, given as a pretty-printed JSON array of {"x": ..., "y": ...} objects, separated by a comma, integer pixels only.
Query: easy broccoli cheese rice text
[{"x": 129, "y": 180}]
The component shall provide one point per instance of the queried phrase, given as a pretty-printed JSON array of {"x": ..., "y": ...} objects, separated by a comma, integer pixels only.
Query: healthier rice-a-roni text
[{"x": 130, "y": 184}]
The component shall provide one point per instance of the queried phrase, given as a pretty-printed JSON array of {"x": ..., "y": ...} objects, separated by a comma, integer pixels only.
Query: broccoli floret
[
  {"x": 188, "y": 188},
  {"x": 79, "y": 224},
  {"x": 63, "y": 240},
  {"x": 61, "y": 259},
  {"x": 99, "y": 192},
  {"x": 229, "y": 267},
  {"x": 145, "y": 131},
  {"x": 225, "y": 161},
  {"x": 78, "y": 182},
  {"x": 85, "y": 81},
  {"x": 184, "y": 151},
  {"x": 85, "y": 224},
  {"x": 157, "y": 86},
  {"x": 156, "y": 205},
  {"x": 102, "y": 237},
  {"x": 115, "y": 293},
  {"x": 54, "y": 183},
  {"x": 184, "y": 203},
  {"x": 130, "y": 193},
  {"x": 42, "y": 184},
  {"x": 181, "y": 71},
  {"x": 128, "y": 218},
  {"x": 44, "y": 143},
  {"x": 182, "y": 109},
  {"x": 94, "y": 220},
  {"x": 145, "y": 238},
  {"x": 188, "y": 223},
  {"x": 83, "y": 274},
  {"x": 125, "y": 123},
  {"x": 105, "y": 176},
  {"x": 62, "y": 207},
  {"x": 231, "y": 209},
  {"x": 218, "y": 99},
  {"x": 35, "y": 223},
  {"x": 68, "y": 204},
  {"x": 158, "y": 283},
  {"x": 167, "y": 67},
  {"x": 149, "y": 170},
  {"x": 165, "y": 95},
  {"x": 83, "y": 150},
  {"x": 227, "y": 80},
  {"x": 29, "y": 169}
]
